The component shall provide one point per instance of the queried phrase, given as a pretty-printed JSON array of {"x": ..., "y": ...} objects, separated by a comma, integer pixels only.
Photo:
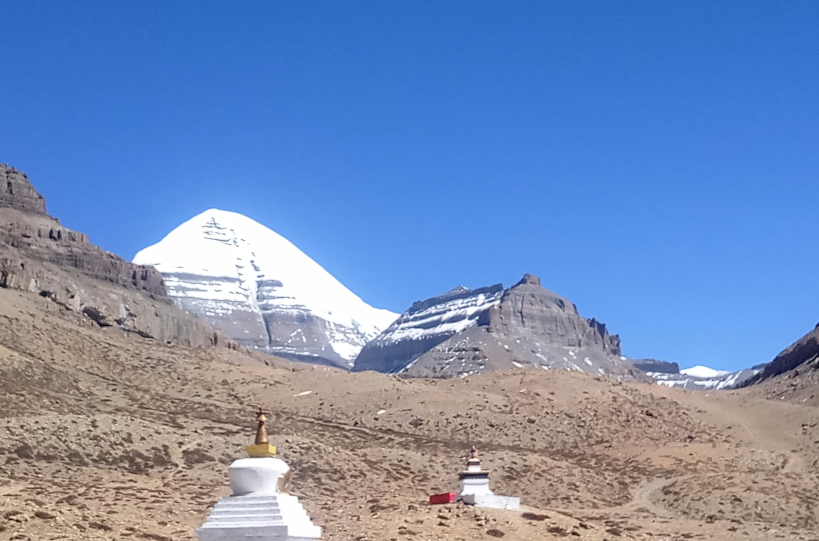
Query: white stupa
[
  {"x": 258, "y": 510},
  {"x": 474, "y": 489}
]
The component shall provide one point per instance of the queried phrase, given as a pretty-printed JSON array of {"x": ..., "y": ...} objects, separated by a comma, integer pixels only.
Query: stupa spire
[{"x": 261, "y": 446}]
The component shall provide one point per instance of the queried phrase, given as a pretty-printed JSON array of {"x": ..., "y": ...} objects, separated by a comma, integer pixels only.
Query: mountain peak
[
  {"x": 465, "y": 332},
  {"x": 18, "y": 193},
  {"x": 528, "y": 279},
  {"x": 247, "y": 280}
]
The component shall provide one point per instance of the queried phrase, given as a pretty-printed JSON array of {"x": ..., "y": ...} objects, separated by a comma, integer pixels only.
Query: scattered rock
[{"x": 44, "y": 515}]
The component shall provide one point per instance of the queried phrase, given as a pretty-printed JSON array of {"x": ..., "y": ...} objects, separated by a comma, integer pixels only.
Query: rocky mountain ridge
[
  {"x": 17, "y": 192},
  {"x": 803, "y": 352},
  {"x": 39, "y": 255},
  {"x": 698, "y": 378},
  {"x": 707, "y": 380},
  {"x": 465, "y": 332}
]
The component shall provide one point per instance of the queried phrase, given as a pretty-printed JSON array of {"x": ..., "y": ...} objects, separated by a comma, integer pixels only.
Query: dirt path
[{"x": 643, "y": 497}]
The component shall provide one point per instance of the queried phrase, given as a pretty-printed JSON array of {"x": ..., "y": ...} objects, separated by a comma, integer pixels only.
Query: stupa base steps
[
  {"x": 265, "y": 517},
  {"x": 492, "y": 501},
  {"x": 268, "y": 532},
  {"x": 249, "y": 534}
]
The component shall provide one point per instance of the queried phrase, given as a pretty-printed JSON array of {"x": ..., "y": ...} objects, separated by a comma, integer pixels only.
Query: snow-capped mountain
[
  {"x": 465, "y": 332},
  {"x": 425, "y": 325},
  {"x": 700, "y": 371},
  {"x": 260, "y": 289},
  {"x": 703, "y": 378}
]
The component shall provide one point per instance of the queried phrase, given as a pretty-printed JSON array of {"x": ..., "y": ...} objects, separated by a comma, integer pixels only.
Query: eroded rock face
[
  {"x": 40, "y": 256},
  {"x": 802, "y": 352},
  {"x": 426, "y": 325},
  {"x": 17, "y": 192},
  {"x": 467, "y": 332},
  {"x": 656, "y": 366},
  {"x": 41, "y": 238},
  {"x": 527, "y": 310}
]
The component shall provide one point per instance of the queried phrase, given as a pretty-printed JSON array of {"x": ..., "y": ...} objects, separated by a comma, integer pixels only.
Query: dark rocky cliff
[
  {"x": 802, "y": 353},
  {"x": 17, "y": 192},
  {"x": 425, "y": 325},
  {"x": 40, "y": 256},
  {"x": 469, "y": 332},
  {"x": 654, "y": 365},
  {"x": 43, "y": 239},
  {"x": 527, "y": 309}
]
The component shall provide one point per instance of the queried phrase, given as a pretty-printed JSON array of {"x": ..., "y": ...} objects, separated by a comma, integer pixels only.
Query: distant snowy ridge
[
  {"x": 255, "y": 285},
  {"x": 703, "y": 378},
  {"x": 703, "y": 372}
]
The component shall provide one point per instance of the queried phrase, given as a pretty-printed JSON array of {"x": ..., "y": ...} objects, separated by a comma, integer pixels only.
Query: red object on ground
[{"x": 448, "y": 497}]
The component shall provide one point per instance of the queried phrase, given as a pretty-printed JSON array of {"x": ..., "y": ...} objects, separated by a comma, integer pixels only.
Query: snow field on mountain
[
  {"x": 449, "y": 317},
  {"x": 224, "y": 256},
  {"x": 703, "y": 372}
]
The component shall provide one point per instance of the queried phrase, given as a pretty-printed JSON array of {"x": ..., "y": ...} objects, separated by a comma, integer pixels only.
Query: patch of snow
[
  {"x": 704, "y": 372},
  {"x": 303, "y": 393},
  {"x": 444, "y": 318}
]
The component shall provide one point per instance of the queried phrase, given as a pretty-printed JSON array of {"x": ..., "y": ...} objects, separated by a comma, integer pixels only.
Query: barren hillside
[{"x": 108, "y": 435}]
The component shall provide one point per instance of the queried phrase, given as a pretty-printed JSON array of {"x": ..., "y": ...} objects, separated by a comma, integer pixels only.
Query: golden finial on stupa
[{"x": 261, "y": 447}]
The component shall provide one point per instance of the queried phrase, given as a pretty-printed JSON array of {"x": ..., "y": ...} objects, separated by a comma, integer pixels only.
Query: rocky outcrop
[
  {"x": 426, "y": 325},
  {"x": 40, "y": 256},
  {"x": 527, "y": 309},
  {"x": 656, "y": 366},
  {"x": 43, "y": 239},
  {"x": 17, "y": 192},
  {"x": 467, "y": 332},
  {"x": 804, "y": 351}
]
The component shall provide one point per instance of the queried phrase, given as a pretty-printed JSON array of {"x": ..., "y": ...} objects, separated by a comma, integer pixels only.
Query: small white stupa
[
  {"x": 474, "y": 489},
  {"x": 258, "y": 510}
]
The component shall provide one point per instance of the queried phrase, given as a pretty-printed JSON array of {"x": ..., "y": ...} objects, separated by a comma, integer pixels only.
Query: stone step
[
  {"x": 246, "y": 505},
  {"x": 256, "y": 510},
  {"x": 247, "y": 518}
]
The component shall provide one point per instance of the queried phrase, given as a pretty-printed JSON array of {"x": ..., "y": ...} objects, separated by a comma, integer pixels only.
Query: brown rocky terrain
[
  {"x": 39, "y": 255},
  {"x": 105, "y": 434}
]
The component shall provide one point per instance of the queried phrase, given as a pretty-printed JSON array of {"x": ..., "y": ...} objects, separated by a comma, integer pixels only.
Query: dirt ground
[{"x": 106, "y": 435}]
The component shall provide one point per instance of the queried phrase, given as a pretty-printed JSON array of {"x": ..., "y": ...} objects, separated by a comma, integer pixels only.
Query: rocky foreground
[{"x": 105, "y": 434}]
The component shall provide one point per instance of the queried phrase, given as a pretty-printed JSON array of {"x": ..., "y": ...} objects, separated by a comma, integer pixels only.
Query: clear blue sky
[{"x": 655, "y": 162}]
